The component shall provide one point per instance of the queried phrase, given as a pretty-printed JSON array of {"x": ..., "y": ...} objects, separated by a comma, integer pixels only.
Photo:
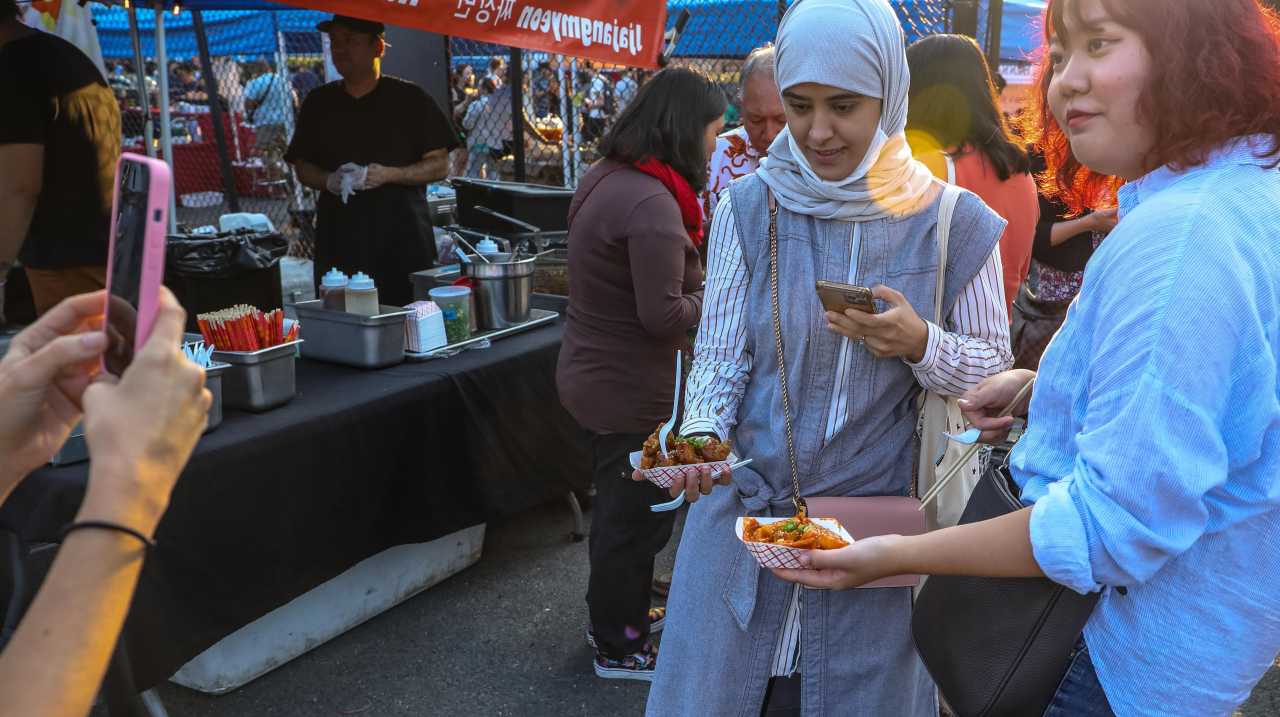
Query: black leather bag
[{"x": 997, "y": 646}]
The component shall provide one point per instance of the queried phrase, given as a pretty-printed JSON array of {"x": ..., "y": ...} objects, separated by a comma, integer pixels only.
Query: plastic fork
[
  {"x": 967, "y": 438},
  {"x": 675, "y": 409},
  {"x": 679, "y": 499}
]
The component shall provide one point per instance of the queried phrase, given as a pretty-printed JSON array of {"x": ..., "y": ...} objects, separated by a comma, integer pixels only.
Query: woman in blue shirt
[{"x": 1152, "y": 455}]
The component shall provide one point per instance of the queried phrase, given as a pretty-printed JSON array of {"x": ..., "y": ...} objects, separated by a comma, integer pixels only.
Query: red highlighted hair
[{"x": 1215, "y": 75}]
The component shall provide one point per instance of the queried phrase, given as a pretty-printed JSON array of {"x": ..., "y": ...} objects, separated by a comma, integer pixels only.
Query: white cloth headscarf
[{"x": 858, "y": 46}]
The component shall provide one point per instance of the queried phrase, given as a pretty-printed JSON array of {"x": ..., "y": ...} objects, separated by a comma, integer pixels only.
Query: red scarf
[{"x": 679, "y": 187}]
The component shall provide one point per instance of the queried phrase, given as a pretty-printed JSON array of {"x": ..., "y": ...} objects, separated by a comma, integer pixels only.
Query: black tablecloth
[{"x": 273, "y": 504}]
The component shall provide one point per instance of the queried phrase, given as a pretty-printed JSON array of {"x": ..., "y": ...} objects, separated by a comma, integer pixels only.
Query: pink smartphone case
[{"x": 157, "y": 225}]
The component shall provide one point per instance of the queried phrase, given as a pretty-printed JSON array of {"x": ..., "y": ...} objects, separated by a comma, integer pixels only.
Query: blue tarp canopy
[
  {"x": 1022, "y": 29},
  {"x": 733, "y": 28},
  {"x": 230, "y": 32}
]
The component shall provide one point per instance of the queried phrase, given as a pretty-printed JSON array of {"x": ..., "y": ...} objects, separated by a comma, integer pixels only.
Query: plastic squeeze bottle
[
  {"x": 362, "y": 295},
  {"x": 333, "y": 290}
]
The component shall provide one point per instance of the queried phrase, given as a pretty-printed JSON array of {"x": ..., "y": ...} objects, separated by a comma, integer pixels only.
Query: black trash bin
[{"x": 208, "y": 272}]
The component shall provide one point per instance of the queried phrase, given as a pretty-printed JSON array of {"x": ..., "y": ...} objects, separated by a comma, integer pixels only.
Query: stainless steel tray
[
  {"x": 213, "y": 382},
  {"x": 352, "y": 339},
  {"x": 537, "y": 317},
  {"x": 259, "y": 380}
]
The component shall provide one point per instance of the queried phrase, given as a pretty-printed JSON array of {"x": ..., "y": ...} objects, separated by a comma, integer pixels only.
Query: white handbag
[{"x": 939, "y": 413}]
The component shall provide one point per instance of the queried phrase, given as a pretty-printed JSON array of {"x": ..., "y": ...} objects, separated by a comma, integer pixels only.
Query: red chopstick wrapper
[{"x": 244, "y": 328}]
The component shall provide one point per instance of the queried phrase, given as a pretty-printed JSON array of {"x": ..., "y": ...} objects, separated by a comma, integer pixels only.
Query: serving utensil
[
  {"x": 467, "y": 244},
  {"x": 973, "y": 449},
  {"x": 675, "y": 409}
]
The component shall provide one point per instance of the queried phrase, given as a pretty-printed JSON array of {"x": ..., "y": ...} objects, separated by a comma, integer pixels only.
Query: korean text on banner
[{"x": 625, "y": 32}]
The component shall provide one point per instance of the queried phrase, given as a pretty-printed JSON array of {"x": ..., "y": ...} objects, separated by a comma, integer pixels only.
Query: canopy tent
[
  {"x": 1021, "y": 30},
  {"x": 754, "y": 22},
  {"x": 704, "y": 35},
  {"x": 229, "y": 32}
]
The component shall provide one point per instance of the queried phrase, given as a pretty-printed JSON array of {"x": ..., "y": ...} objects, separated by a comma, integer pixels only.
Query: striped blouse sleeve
[
  {"x": 975, "y": 343},
  {"x": 721, "y": 362}
]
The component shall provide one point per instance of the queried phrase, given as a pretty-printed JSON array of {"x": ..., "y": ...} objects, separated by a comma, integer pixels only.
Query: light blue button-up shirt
[{"x": 1153, "y": 449}]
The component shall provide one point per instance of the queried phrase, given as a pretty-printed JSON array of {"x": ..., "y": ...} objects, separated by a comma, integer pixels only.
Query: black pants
[{"x": 625, "y": 538}]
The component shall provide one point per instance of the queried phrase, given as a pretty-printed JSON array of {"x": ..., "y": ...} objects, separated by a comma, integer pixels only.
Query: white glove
[{"x": 346, "y": 180}]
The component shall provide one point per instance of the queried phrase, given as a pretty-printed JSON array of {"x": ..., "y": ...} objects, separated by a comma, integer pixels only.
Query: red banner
[{"x": 624, "y": 32}]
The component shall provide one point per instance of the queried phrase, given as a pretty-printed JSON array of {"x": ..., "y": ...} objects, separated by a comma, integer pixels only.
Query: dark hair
[
  {"x": 668, "y": 121},
  {"x": 495, "y": 63},
  {"x": 1215, "y": 75},
  {"x": 488, "y": 86},
  {"x": 953, "y": 101},
  {"x": 9, "y": 10}
]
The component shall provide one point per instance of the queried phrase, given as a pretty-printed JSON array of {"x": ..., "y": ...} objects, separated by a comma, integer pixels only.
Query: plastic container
[
  {"x": 362, "y": 295},
  {"x": 350, "y": 339},
  {"x": 333, "y": 290},
  {"x": 455, "y": 304},
  {"x": 487, "y": 246}
]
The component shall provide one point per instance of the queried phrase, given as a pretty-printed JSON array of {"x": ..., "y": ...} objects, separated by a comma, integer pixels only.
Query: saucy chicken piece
[{"x": 798, "y": 532}]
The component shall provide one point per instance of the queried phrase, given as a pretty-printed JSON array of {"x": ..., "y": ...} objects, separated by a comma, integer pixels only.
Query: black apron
[{"x": 384, "y": 232}]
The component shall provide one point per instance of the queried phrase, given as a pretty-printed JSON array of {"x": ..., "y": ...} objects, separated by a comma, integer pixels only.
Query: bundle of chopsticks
[{"x": 245, "y": 328}]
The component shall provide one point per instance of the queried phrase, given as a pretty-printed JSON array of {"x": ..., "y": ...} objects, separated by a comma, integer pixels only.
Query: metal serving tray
[
  {"x": 537, "y": 317},
  {"x": 76, "y": 450},
  {"x": 259, "y": 380},
  {"x": 352, "y": 339},
  {"x": 213, "y": 382}
]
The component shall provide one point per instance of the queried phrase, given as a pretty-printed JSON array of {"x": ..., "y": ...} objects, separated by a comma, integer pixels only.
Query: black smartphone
[{"x": 837, "y": 297}]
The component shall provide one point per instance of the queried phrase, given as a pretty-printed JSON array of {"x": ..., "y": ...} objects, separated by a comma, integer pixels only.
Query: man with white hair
[{"x": 739, "y": 150}]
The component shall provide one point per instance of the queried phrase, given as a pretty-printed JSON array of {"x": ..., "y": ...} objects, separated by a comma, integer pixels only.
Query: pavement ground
[{"x": 504, "y": 637}]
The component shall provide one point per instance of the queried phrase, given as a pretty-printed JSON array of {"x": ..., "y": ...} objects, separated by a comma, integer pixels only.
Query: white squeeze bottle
[
  {"x": 362, "y": 295},
  {"x": 333, "y": 290}
]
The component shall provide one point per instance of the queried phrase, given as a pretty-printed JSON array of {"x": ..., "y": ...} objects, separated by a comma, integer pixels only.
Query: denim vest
[{"x": 725, "y": 614}]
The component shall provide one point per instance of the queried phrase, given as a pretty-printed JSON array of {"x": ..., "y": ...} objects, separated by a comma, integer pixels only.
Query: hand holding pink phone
[{"x": 135, "y": 269}]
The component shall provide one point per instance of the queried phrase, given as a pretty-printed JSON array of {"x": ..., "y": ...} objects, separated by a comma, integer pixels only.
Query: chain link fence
[
  {"x": 262, "y": 64},
  {"x": 567, "y": 105}
]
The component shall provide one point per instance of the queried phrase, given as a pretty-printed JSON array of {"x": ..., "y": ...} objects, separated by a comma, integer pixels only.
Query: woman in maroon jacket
[{"x": 635, "y": 293}]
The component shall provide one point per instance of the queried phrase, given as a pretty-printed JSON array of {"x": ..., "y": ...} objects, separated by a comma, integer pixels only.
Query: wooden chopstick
[{"x": 968, "y": 454}]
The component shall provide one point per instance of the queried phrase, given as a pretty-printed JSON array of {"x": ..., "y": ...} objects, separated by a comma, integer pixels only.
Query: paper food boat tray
[
  {"x": 779, "y": 556},
  {"x": 670, "y": 475}
]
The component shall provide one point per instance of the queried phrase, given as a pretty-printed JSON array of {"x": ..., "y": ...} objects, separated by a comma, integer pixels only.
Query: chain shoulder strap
[{"x": 801, "y": 507}]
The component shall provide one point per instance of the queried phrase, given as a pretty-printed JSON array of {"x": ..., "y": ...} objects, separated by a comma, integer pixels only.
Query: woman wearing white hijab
[{"x": 854, "y": 207}]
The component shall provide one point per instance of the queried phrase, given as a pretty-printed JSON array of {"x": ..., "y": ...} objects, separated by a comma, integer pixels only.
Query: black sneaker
[
  {"x": 636, "y": 666},
  {"x": 657, "y": 618}
]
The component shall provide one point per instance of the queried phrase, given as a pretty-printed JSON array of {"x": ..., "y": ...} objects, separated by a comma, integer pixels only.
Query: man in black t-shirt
[
  {"x": 59, "y": 142},
  {"x": 399, "y": 135}
]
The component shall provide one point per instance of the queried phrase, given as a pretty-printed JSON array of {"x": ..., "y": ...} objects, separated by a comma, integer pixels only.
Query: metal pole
[
  {"x": 966, "y": 17},
  {"x": 995, "y": 19},
  {"x": 515, "y": 78},
  {"x": 565, "y": 160},
  {"x": 144, "y": 100},
  {"x": 166, "y": 134},
  {"x": 215, "y": 111},
  {"x": 573, "y": 121}
]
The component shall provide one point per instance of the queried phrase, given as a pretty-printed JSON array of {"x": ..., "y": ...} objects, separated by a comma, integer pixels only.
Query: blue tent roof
[
  {"x": 733, "y": 28},
  {"x": 230, "y": 32},
  {"x": 1021, "y": 29},
  {"x": 716, "y": 28}
]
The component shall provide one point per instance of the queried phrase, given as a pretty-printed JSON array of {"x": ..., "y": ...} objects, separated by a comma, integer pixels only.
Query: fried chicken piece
[
  {"x": 798, "y": 532},
  {"x": 713, "y": 450},
  {"x": 687, "y": 455}
]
